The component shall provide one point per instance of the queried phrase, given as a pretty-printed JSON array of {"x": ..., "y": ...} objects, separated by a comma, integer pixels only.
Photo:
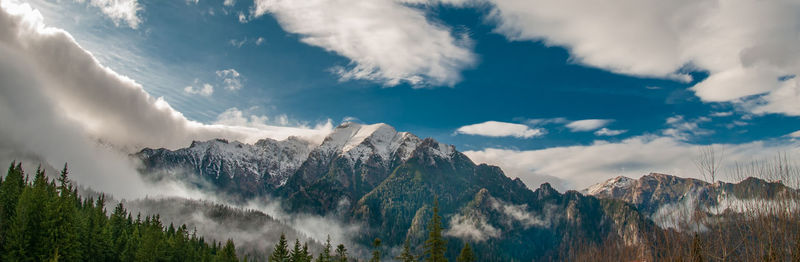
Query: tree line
[
  {"x": 434, "y": 249},
  {"x": 46, "y": 220}
]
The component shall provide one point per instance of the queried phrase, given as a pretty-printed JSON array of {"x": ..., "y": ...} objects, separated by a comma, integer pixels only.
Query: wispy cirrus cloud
[
  {"x": 204, "y": 89},
  {"x": 546, "y": 121},
  {"x": 119, "y": 10},
  {"x": 501, "y": 129}
]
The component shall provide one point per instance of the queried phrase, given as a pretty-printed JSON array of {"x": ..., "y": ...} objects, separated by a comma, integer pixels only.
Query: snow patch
[
  {"x": 608, "y": 187},
  {"x": 445, "y": 151}
]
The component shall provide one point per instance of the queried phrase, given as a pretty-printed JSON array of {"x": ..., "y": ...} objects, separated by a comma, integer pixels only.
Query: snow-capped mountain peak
[
  {"x": 609, "y": 186},
  {"x": 360, "y": 142},
  {"x": 267, "y": 160}
]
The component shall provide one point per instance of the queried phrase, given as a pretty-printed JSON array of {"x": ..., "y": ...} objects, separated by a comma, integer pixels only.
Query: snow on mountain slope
[
  {"x": 267, "y": 160},
  {"x": 357, "y": 142},
  {"x": 610, "y": 186},
  {"x": 361, "y": 156}
]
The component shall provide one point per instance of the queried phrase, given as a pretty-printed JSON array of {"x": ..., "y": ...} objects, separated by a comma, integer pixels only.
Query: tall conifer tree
[
  {"x": 281, "y": 251},
  {"x": 466, "y": 254},
  {"x": 435, "y": 246}
]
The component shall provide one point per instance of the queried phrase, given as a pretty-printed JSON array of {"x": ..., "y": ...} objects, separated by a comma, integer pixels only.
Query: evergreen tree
[
  {"x": 466, "y": 254},
  {"x": 10, "y": 191},
  {"x": 406, "y": 256},
  {"x": 376, "y": 252},
  {"x": 297, "y": 253},
  {"x": 128, "y": 252},
  {"x": 228, "y": 253},
  {"x": 119, "y": 229},
  {"x": 64, "y": 223},
  {"x": 50, "y": 222},
  {"x": 435, "y": 246},
  {"x": 341, "y": 253},
  {"x": 98, "y": 241},
  {"x": 281, "y": 251},
  {"x": 153, "y": 243},
  {"x": 28, "y": 236},
  {"x": 325, "y": 255},
  {"x": 308, "y": 256}
]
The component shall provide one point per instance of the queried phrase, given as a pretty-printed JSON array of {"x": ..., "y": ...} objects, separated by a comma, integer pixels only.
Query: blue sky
[{"x": 540, "y": 71}]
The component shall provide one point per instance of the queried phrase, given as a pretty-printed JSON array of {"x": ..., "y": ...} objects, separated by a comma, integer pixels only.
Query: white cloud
[
  {"x": 545, "y": 121},
  {"x": 501, "y": 129},
  {"x": 474, "y": 228},
  {"x": 62, "y": 101},
  {"x": 580, "y": 166},
  {"x": 230, "y": 78},
  {"x": 242, "y": 18},
  {"x": 119, "y": 10},
  {"x": 235, "y": 117},
  {"x": 609, "y": 132},
  {"x": 685, "y": 129},
  {"x": 722, "y": 114},
  {"x": 206, "y": 90},
  {"x": 519, "y": 213},
  {"x": 229, "y": 3},
  {"x": 587, "y": 124},
  {"x": 192, "y": 2},
  {"x": 744, "y": 45},
  {"x": 781, "y": 100},
  {"x": 795, "y": 134},
  {"x": 386, "y": 40},
  {"x": 259, "y": 40},
  {"x": 238, "y": 43}
]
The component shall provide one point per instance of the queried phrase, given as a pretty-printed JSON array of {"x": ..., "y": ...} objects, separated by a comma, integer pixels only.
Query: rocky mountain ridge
[
  {"x": 654, "y": 192},
  {"x": 387, "y": 181}
]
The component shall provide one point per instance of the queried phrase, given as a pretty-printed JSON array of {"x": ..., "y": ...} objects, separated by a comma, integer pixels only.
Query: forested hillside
[{"x": 46, "y": 220}]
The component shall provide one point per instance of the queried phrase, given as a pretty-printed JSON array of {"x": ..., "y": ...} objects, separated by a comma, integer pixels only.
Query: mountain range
[
  {"x": 387, "y": 181},
  {"x": 671, "y": 200}
]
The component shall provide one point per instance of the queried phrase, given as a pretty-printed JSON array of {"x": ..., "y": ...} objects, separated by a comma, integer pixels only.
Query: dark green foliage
[
  {"x": 281, "y": 251},
  {"x": 297, "y": 253},
  {"x": 46, "y": 220},
  {"x": 376, "y": 253},
  {"x": 27, "y": 239},
  {"x": 341, "y": 253},
  {"x": 466, "y": 254},
  {"x": 308, "y": 255},
  {"x": 228, "y": 253},
  {"x": 435, "y": 246},
  {"x": 10, "y": 191},
  {"x": 406, "y": 256},
  {"x": 325, "y": 255}
]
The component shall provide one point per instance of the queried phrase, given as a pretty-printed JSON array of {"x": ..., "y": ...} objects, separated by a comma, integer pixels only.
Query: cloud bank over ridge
[{"x": 58, "y": 102}]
